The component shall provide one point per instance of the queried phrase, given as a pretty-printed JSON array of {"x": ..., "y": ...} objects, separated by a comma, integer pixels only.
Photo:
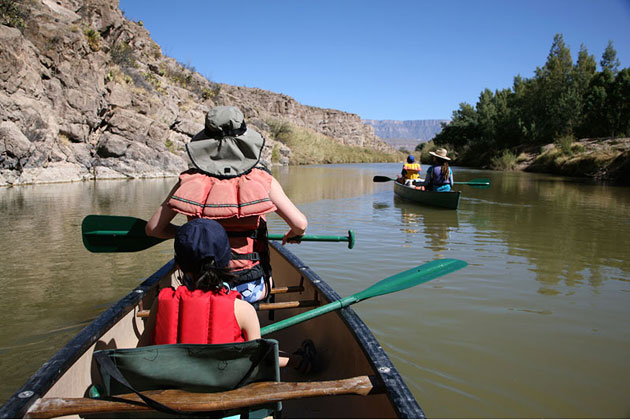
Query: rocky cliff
[
  {"x": 87, "y": 94},
  {"x": 422, "y": 130},
  {"x": 406, "y": 135}
]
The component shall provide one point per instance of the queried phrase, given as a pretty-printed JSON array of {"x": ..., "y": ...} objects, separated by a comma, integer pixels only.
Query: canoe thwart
[
  {"x": 287, "y": 289},
  {"x": 261, "y": 306}
]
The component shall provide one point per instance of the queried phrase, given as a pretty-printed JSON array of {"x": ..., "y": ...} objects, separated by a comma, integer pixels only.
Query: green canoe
[{"x": 448, "y": 200}]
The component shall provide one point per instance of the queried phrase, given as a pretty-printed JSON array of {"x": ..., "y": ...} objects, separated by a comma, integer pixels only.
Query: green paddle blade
[
  {"x": 412, "y": 277},
  {"x": 102, "y": 233},
  {"x": 115, "y": 234},
  {"x": 406, "y": 279},
  {"x": 476, "y": 183}
]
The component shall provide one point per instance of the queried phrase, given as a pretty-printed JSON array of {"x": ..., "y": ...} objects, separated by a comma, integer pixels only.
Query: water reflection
[
  {"x": 545, "y": 298},
  {"x": 427, "y": 227},
  {"x": 328, "y": 182},
  {"x": 565, "y": 229}
]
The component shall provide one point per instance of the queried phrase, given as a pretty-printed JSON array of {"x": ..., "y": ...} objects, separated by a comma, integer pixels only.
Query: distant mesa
[{"x": 406, "y": 134}]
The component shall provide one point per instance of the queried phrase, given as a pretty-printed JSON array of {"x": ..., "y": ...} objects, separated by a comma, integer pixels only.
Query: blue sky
[{"x": 391, "y": 59}]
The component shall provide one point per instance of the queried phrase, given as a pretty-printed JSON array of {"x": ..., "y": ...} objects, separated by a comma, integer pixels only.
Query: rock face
[{"x": 87, "y": 94}]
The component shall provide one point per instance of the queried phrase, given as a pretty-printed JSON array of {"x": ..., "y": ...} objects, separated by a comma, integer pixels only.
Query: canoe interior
[
  {"x": 344, "y": 342},
  {"x": 448, "y": 200}
]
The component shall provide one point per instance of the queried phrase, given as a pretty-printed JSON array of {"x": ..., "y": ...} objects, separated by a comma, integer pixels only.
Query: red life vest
[
  {"x": 196, "y": 317},
  {"x": 239, "y": 205}
]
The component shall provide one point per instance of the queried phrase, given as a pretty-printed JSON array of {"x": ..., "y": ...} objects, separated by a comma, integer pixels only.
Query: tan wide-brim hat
[
  {"x": 225, "y": 148},
  {"x": 440, "y": 153}
]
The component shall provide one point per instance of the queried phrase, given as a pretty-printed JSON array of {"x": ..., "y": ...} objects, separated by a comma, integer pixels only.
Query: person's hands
[{"x": 291, "y": 237}]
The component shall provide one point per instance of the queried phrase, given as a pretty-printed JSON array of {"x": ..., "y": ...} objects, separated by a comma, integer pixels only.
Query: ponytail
[
  {"x": 444, "y": 175},
  {"x": 212, "y": 278}
]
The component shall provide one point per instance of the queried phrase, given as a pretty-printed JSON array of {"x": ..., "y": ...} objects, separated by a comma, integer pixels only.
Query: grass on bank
[{"x": 309, "y": 147}]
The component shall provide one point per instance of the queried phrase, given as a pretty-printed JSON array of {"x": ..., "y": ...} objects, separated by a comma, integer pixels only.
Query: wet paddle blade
[
  {"x": 412, "y": 277},
  {"x": 476, "y": 183},
  {"x": 379, "y": 178},
  {"x": 406, "y": 279},
  {"x": 115, "y": 234},
  {"x": 102, "y": 233}
]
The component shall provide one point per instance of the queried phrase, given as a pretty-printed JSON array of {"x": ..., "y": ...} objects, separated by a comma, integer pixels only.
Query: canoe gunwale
[
  {"x": 447, "y": 200},
  {"x": 44, "y": 378},
  {"x": 396, "y": 389},
  {"x": 401, "y": 398}
]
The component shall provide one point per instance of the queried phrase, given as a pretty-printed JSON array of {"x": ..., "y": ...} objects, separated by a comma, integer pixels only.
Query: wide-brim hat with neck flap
[{"x": 225, "y": 148}]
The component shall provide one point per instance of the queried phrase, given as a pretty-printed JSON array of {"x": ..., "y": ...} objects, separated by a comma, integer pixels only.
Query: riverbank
[
  {"x": 600, "y": 159},
  {"x": 606, "y": 160}
]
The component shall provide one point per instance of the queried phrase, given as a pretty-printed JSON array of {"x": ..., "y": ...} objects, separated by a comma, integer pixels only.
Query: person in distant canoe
[
  {"x": 204, "y": 309},
  {"x": 229, "y": 184},
  {"x": 439, "y": 176},
  {"x": 410, "y": 173}
]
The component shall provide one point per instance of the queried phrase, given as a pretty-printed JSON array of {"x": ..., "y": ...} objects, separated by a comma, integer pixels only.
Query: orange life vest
[
  {"x": 196, "y": 317},
  {"x": 239, "y": 205}
]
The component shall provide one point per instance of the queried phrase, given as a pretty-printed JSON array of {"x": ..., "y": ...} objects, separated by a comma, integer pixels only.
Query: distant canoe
[{"x": 449, "y": 200}]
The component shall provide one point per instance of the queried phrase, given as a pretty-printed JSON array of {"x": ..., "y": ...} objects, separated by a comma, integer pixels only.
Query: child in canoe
[{"x": 204, "y": 310}]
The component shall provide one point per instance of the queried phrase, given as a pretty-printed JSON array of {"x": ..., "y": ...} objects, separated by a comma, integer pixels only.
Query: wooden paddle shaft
[{"x": 250, "y": 395}]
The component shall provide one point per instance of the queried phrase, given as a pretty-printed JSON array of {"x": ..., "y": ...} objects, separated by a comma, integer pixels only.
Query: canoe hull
[
  {"x": 345, "y": 343},
  {"x": 447, "y": 200}
]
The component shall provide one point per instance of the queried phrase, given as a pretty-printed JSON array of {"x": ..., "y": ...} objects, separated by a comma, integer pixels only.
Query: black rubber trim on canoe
[
  {"x": 56, "y": 366},
  {"x": 397, "y": 391},
  {"x": 41, "y": 381}
]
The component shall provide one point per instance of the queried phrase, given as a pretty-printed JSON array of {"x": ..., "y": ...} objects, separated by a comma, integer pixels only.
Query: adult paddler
[
  {"x": 439, "y": 176},
  {"x": 229, "y": 184}
]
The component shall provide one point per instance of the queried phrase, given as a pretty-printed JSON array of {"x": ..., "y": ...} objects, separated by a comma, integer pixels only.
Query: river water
[{"x": 537, "y": 325}]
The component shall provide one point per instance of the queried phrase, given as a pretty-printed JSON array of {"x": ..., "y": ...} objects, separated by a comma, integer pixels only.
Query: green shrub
[
  {"x": 309, "y": 147},
  {"x": 180, "y": 76},
  {"x": 114, "y": 74},
  {"x": 506, "y": 161},
  {"x": 122, "y": 54},
  {"x": 211, "y": 92},
  {"x": 152, "y": 79},
  {"x": 577, "y": 148},
  {"x": 279, "y": 129},
  {"x": 564, "y": 144},
  {"x": 14, "y": 13},
  {"x": 155, "y": 50},
  {"x": 275, "y": 153},
  {"x": 170, "y": 146},
  {"x": 93, "y": 38},
  {"x": 424, "y": 149}
]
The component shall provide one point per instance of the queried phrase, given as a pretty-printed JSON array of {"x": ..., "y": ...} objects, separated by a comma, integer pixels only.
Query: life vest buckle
[{"x": 252, "y": 256}]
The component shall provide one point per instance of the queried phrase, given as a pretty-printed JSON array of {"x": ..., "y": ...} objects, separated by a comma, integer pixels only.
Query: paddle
[
  {"x": 476, "y": 183},
  {"x": 404, "y": 280},
  {"x": 249, "y": 395},
  {"x": 103, "y": 233},
  {"x": 258, "y": 393}
]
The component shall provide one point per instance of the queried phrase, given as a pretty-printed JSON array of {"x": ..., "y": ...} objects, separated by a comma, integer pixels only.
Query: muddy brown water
[{"x": 537, "y": 325}]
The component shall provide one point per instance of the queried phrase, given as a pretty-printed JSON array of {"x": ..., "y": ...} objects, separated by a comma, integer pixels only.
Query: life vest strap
[
  {"x": 243, "y": 234},
  {"x": 252, "y": 256}
]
